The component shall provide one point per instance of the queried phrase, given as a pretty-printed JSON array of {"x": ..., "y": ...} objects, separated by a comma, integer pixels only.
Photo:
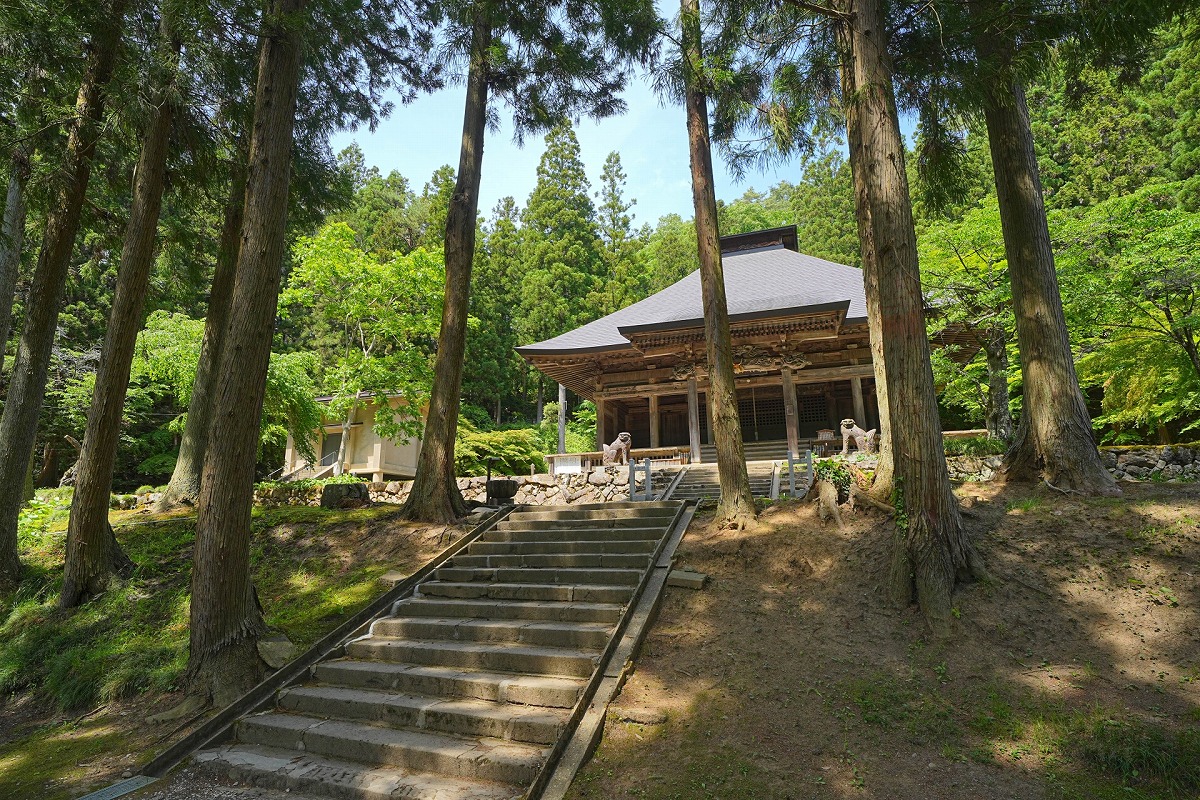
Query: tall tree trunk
[
  {"x": 435, "y": 495},
  {"x": 90, "y": 557},
  {"x": 225, "y": 617},
  {"x": 999, "y": 416},
  {"x": 736, "y": 507},
  {"x": 27, "y": 389},
  {"x": 883, "y": 484},
  {"x": 184, "y": 486},
  {"x": 1054, "y": 440},
  {"x": 12, "y": 240},
  {"x": 931, "y": 541}
]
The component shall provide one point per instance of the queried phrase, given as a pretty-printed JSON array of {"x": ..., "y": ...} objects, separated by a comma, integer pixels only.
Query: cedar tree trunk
[
  {"x": 932, "y": 551},
  {"x": 736, "y": 507},
  {"x": 90, "y": 558},
  {"x": 226, "y": 619},
  {"x": 12, "y": 240},
  {"x": 435, "y": 496},
  {"x": 882, "y": 484},
  {"x": 1054, "y": 439},
  {"x": 184, "y": 486},
  {"x": 27, "y": 389},
  {"x": 999, "y": 415}
]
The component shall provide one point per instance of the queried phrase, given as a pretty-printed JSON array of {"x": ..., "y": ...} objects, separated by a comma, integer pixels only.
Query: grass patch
[
  {"x": 134, "y": 638},
  {"x": 926, "y": 717},
  {"x": 975, "y": 446}
]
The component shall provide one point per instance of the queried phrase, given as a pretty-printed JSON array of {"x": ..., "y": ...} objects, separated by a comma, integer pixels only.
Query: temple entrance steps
[
  {"x": 773, "y": 450},
  {"x": 462, "y": 692},
  {"x": 701, "y": 481}
]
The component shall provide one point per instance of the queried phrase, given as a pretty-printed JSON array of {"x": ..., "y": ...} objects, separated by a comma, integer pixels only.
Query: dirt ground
[{"x": 1073, "y": 672}]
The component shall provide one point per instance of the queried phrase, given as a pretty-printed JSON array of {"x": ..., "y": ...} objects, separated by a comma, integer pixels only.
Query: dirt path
[{"x": 1073, "y": 672}]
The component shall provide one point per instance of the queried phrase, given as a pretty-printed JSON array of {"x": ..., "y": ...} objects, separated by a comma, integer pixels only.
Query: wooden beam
[
  {"x": 693, "y": 420},
  {"x": 800, "y": 377},
  {"x": 791, "y": 413},
  {"x": 562, "y": 418}
]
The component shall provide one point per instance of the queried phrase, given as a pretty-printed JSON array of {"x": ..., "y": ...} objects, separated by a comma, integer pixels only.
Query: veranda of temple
[{"x": 801, "y": 354}]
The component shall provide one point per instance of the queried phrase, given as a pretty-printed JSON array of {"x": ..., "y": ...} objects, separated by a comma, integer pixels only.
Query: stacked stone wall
[{"x": 600, "y": 485}]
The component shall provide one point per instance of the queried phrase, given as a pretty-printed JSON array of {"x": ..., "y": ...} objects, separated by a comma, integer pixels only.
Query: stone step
[
  {"x": 544, "y": 634},
  {"x": 518, "y": 723},
  {"x": 658, "y": 524},
  {"x": 572, "y": 535},
  {"x": 318, "y": 776},
  {"x": 483, "y": 548},
  {"x": 556, "y": 575},
  {"x": 505, "y": 657},
  {"x": 476, "y": 759},
  {"x": 639, "y": 505},
  {"x": 494, "y": 609},
  {"x": 571, "y": 593},
  {"x": 616, "y": 512},
  {"x": 598, "y": 560},
  {"x": 499, "y": 687}
]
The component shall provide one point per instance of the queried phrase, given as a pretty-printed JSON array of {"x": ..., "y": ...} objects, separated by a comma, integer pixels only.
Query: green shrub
[
  {"x": 515, "y": 451},
  {"x": 143, "y": 490},
  {"x": 834, "y": 471},
  {"x": 975, "y": 446}
]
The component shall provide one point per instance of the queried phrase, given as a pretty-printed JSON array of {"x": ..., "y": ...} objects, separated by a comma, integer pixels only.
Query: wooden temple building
[{"x": 802, "y": 356}]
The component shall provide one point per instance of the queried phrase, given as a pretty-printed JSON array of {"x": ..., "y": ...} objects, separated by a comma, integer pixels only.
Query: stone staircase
[
  {"x": 462, "y": 692},
  {"x": 776, "y": 449},
  {"x": 702, "y": 481}
]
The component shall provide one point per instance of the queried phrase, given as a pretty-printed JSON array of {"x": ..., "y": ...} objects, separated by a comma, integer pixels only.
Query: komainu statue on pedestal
[
  {"x": 863, "y": 440},
  {"x": 618, "y": 451}
]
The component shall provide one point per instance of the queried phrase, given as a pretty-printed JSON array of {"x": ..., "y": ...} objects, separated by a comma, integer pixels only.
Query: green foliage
[
  {"x": 375, "y": 323},
  {"x": 975, "y": 446},
  {"x": 515, "y": 451},
  {"x": 833, "y": 470},
  {"x": 1138, "y": 752},
  {"x": 581, "y": 429}
]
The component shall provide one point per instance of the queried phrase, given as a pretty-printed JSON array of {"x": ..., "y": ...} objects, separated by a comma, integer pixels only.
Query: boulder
[
  {"x": 542, "y": 480},
  {"x": 599, "y": 477},
  {"x": 332, "y": 494}
]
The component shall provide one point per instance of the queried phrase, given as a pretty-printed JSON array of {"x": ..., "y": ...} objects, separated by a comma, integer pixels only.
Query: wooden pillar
[
  {"x": 860, "y": 410},
  {"x": 562, "y": 418},
  {"x": 694, "y": 420},
  {"x": 709, "y": 408},
  {"x": 600, "y": 413},
  {"x": 377, "y": 460},
  {"x": 791, "y": 413},
  {"x": 654, "y": 438}
]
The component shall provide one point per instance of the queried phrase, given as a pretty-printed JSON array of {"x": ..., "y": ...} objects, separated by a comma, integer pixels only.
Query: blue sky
[{"x": 652, "y": 140}]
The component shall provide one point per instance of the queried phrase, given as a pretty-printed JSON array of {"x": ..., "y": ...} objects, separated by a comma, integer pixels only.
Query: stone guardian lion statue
[
  {"x": 863, "y": 440},
  {"x": 618, "y": 451}
]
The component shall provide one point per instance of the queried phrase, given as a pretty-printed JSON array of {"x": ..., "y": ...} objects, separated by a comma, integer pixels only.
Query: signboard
[{"x": 568, "y": 465}]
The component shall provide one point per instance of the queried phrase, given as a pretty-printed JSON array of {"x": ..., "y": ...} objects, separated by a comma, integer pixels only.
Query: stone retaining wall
[
  {"x": 1171, "y": 463},
  {"x": 600, "y": 485}
]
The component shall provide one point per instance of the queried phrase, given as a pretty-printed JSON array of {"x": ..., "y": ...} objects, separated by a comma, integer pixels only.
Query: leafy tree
[
  {"x": 563, "y": 263},
  {"x": 383, "y": 320},
  {"x": 965, "y": 277},
  {"x": 736, "y": 506},
  {"x": 494, "y": 368},
  {"x": 625, "y": 279},
  {"x": 670, "y": 252},
  {"x": 1134, "y": 279},
  {"x": 18, "y": 425},
  {"x": 92, "y": 549},
  {"x": 555, "y": 62}
]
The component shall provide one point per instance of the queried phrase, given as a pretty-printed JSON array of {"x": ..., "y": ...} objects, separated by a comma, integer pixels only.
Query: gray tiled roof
[{"x": 756, "y": 282}]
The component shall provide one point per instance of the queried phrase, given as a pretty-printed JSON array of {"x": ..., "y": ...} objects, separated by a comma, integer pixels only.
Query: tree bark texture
[
  {"x": 736, "y": 506},
  {"x": 225, "y": 617},
  {"x": 435, "y": 496},
  {"x": 184, "y": 486},
  {"x": 90, "y": 558},
  {"x": 1055, "y": 437},
  {"x": 12, "y": 240},
  {"x": 931, "y": 539},
  {"x": 882, "y": 484},
  {"x": 27, "y": 388},
  {"x": 999, "y": 415}
]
